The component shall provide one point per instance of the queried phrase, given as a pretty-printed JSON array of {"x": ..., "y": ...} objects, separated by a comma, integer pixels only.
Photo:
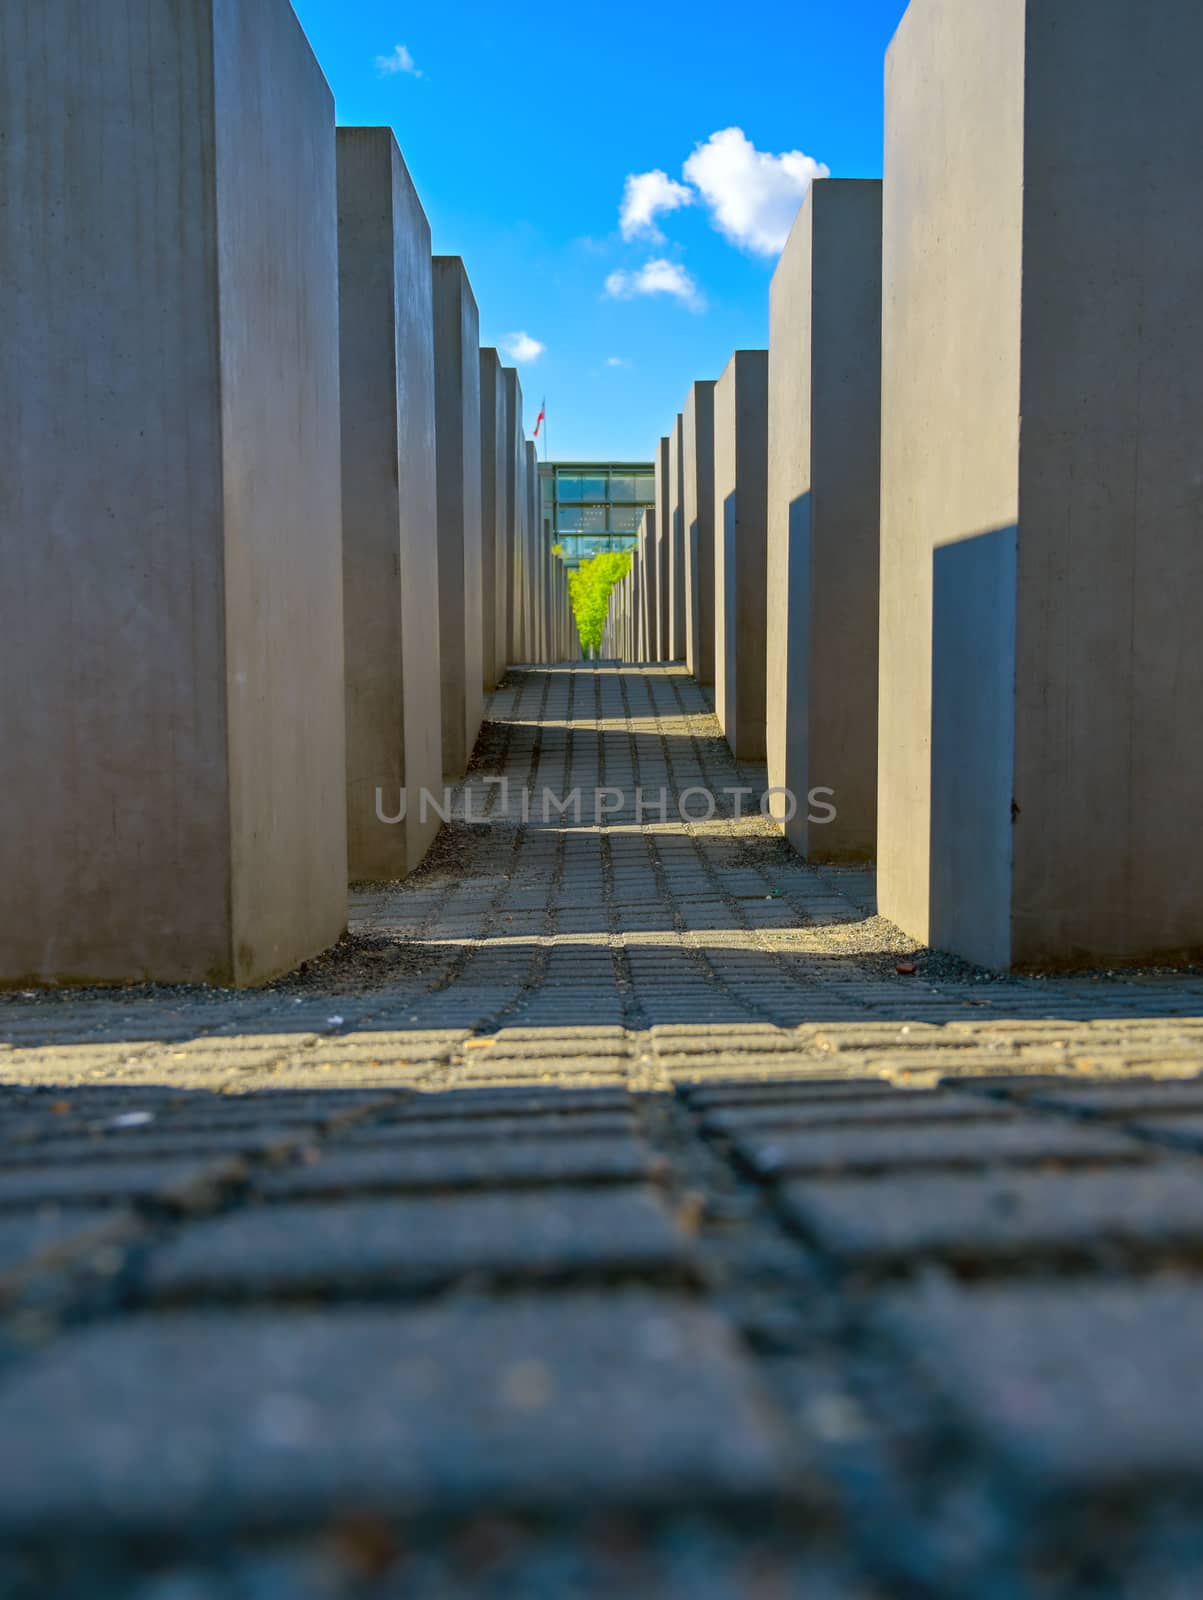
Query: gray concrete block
[
  {"x": 663, "y": 541},
  {"x": 740, "y": 549},
  {"x": 636, "y": 645},
  {"x": 942, "y": 1144},
  {"x": 510, "y": 579},
  {"x": 390, "y": 507},
  {"x": 457, "y": 436},
  {"x": 1183, "y": 1098},
  {"x": 1040, "y": 653},
  {"x": 493, "y": 431},
  {"x": 635, "y": 1400},
  {"x": 468, "y": 1163},
  {"x": 536, "y": 587},
  {"x": 824, "y": 445},
  {"x": 650, "y": 565},
  {"x": 156, "y": 1143},
  {"x": 697, "y": 466},
  {"x": 525, "y": 1125},
  {"x": 419, "y": 1243},
  {"x": 520, "y": 1102},
  {"x": 676, "y": 543},
  {"x": 1146, "y": 1213},
  {"x": 788, "y": 1092},
  {"x": 170, "y": 1182},
  {"x": 41, "y": 1238},
  {"x": 928, "y": 1107},
  {"x": 170, "y": 636},
  {"x": 1081, "y": 1389}
]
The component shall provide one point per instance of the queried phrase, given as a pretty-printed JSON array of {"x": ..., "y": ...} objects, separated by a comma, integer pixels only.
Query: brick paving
[{"x": 609, "y": 1215}]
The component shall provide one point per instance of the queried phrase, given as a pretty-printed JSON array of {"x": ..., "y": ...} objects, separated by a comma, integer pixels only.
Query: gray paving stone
[
  {"x": 36, "y": 1236},
  {"x": 1185, "y": 1133},
  {"x": 1029, "y": 1142},
  {"x": 526, "y": 1125},
  {"x": 470, "y": 1163},
  {"x": 171, "y": 1182},
  {"x": 417, "y": 1243},
  {"x": 1126, "y": 1100},
  {"x": 266, "y": 1419},
  {"x": 1084, "y": 1388},
  {"x": 928, "y": 1107},
  {"x": 789, "y": 1091},
  {"x": 164, "y": 1145},
  {"x": 1004, "y": 1218},
  {"x": 678, "y": 1559}
]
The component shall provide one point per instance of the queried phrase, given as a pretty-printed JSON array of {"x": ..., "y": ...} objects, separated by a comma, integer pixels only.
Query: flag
[{"x": 541, "y": 418}]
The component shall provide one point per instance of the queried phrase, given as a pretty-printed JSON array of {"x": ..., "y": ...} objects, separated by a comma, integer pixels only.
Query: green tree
[{"x": 589, "y": 588}]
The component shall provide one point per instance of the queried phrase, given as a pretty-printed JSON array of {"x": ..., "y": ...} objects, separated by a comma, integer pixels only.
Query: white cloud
[
  {"x": 753, "y": 197},
  {"x": 615, "y": 361},
  {"x": 399, "y": 61},
  {"x": 521, "y": 347},
  {"x": 645, "y": 197},
  {"x": 658, "y": 276}
]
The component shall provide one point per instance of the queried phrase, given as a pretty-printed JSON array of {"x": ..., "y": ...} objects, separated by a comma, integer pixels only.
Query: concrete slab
[
  {"x": 509, "y": 580},
  {"x": 285, "y": 1429},
  {"x": 493, "y": 428},
  {"x": 536, "y": 585},
  {"x": 823, "y": 515},
  {"x": 740, "y": 544},
  {"x": 457, "y": 434},
  {"x": 676, "y": 543},
  {"x": 390, "y": 507},
  {"x": 1041, "y": 666},
  {"x": 697, "y": 466},
  {"x": 663, "y": 532},
  {"x": 649, "y": 555},
  {"x": 636, "y": 634},
  {"x": 170, "y": 621}
]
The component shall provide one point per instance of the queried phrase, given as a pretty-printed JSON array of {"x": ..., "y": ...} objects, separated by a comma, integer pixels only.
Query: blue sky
[{"x": 521, "y": 127}]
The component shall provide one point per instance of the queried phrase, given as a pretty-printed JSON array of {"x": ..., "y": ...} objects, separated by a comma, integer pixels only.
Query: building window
[{"x": 589, "y": 507}]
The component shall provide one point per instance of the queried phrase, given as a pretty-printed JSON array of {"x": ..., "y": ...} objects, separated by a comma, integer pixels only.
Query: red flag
[{"x": 541, "y": 419}]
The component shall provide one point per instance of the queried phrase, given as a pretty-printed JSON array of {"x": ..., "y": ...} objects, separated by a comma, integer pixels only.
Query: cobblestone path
[{"x": 609, "y": 1216}]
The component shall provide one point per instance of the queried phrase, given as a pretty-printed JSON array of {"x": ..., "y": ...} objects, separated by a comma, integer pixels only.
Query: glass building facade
[{"x": 591, "y": 506}]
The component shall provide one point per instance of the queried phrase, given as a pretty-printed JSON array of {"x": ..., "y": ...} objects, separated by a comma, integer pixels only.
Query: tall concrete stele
[
  {"x": 1041, "y": 778},
  {"x": 222, "y": 503},
  {"x": 661, "y": 527},
  {"x": 509, "y": 587},
  {"x": 697, "y": 472},
  {"x": 534, "y": 621},
  {"x": 493, "y": 432},
  {"x": 457, "y": 438},
  {"x": 823, "y": 510},
  {"x": 649, "y": 588},
  {"x": 390, "y": 508},
  {"x": 172, "y": 803},
  {"x": 740, "y": 470},
  {"x": 676, "y": 545}
]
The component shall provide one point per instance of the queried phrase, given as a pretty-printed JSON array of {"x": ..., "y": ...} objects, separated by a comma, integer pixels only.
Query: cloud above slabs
[
  {"x": 520, "y": 347},
  {"x": 646, "y": 196},
  {"x": 750, "y": 196},
  {"x": 659, "y": 276},
  {"x": 399, "y": 62}
]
